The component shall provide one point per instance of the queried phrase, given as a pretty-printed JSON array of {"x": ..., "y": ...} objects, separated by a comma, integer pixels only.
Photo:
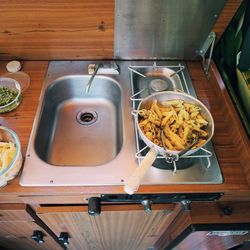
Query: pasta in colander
[{"x": 180, "y": 122}]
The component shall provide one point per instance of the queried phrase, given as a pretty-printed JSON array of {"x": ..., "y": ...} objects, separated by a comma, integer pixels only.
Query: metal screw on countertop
[
  {"x": 147, "y": 205},
  {"x": 186, "y": 205}
]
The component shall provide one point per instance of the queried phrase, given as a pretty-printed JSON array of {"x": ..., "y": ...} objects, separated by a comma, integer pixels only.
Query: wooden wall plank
[
  {"x": 226, "y": 16},
  {"x": 61, "y": 29},
  {"x": 64, "y": 29}
]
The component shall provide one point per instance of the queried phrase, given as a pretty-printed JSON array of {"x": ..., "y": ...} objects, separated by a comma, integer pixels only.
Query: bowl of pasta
[
  {"x": 10, "y": 155},
  {"x": 179, "y": 116},
  {"x": 171, "y": 124}
]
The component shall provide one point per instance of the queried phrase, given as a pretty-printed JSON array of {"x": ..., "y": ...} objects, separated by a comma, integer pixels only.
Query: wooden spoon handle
[{"x": 134, "y": 180}]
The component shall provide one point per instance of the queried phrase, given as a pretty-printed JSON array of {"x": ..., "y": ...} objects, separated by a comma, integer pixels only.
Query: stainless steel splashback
[{"x": 163, "y": 29}]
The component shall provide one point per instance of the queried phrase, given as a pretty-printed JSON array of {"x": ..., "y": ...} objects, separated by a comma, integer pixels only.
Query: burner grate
[
  {"x": 182, "y": 163},
  {"x": 197, "y": 165}
]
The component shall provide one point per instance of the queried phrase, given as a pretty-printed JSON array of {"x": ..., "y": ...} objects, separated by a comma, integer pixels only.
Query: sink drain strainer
[{"x": 87, "y": 117}]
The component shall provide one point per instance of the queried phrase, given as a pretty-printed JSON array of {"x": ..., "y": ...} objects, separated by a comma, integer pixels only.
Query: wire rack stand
[{"x": 201, "y": 153}]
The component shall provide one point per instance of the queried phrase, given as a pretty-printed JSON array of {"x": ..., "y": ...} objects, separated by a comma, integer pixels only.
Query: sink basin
[
  {"x": 81, "y": 138},
  {"x": 79, "y": 128}
]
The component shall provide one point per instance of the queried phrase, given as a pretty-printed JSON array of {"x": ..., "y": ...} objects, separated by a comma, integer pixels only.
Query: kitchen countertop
[{"x": 230, "y": 142}]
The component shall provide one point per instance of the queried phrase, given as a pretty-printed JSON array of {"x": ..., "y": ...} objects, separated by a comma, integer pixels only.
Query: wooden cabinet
[
  {"x": 117, "y": 227},
  {"x": 17, "y": 224},
  {"x": 208, "y": 225}
]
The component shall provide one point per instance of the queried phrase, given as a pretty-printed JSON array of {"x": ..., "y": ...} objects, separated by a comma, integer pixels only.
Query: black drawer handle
[
  {"x": 94, "y": 206},
  {"x": 37, "y": 236},
  {"x": 64, "y": 238}
]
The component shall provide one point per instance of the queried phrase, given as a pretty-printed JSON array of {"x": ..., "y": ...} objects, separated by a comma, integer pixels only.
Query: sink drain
[{"x": 87, "y": 117}]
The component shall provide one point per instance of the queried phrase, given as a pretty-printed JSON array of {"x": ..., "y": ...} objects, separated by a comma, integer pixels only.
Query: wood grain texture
[
  {"x": 26, "y": 110},
  {"x": 205, "y": 213},
  {"x": 231, "y": 119},
  {"x": 211, "y": 92},
  {"x": 211, "y": 212},
  {"x": 64, "y": 29},
  {"x": 229, "y": 137},
  {"x": 16, "y": 228},
  {"x": 181, "y": 221},
  {"x": 57, "y": 29},
  {"x": 117, "y": 227},
  {"x": 200, "y": 240},
  {"x": 163, "y": 237},
  {"x": 226, "y": 16},
  {"x": 14, "y": 212},
  {"x": 17, "y": 235}
]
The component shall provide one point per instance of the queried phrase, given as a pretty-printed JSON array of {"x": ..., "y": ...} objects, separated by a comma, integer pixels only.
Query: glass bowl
[
  {"x": 21, "y": 77},
  {"x": 12, "y": 169},
  {"x": 10, "y": 94}
]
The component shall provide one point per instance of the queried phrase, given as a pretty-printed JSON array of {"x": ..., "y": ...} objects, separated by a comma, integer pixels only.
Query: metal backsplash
[{"x": 163, "y": 29}]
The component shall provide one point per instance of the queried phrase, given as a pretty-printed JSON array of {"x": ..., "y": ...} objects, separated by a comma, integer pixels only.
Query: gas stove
[{"x": 200, "y": 168}]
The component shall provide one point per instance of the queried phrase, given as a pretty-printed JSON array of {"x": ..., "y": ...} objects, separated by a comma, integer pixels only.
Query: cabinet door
[
  {"x": 17, "y": 226},
  {"x": 217, "y": 226},
  {"x": 117, "y": 227}
]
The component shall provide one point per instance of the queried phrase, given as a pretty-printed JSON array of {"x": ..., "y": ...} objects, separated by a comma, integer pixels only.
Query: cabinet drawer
[
  {"x": 117, "y": 227},
  {"x": 17, "y": 225}
]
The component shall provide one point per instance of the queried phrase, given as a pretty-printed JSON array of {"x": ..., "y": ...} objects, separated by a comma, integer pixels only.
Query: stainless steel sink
[
  {"x": 79, "y": 128},
  {"x": 78, "y": 137},
  {"x": 82, "y": 138}
]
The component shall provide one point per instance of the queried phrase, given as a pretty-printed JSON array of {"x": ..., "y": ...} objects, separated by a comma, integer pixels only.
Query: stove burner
[
  {"x": 201, "y": 167},
  {"x": 158, "y": 85},
  {"x": 155, "y": 79}
]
